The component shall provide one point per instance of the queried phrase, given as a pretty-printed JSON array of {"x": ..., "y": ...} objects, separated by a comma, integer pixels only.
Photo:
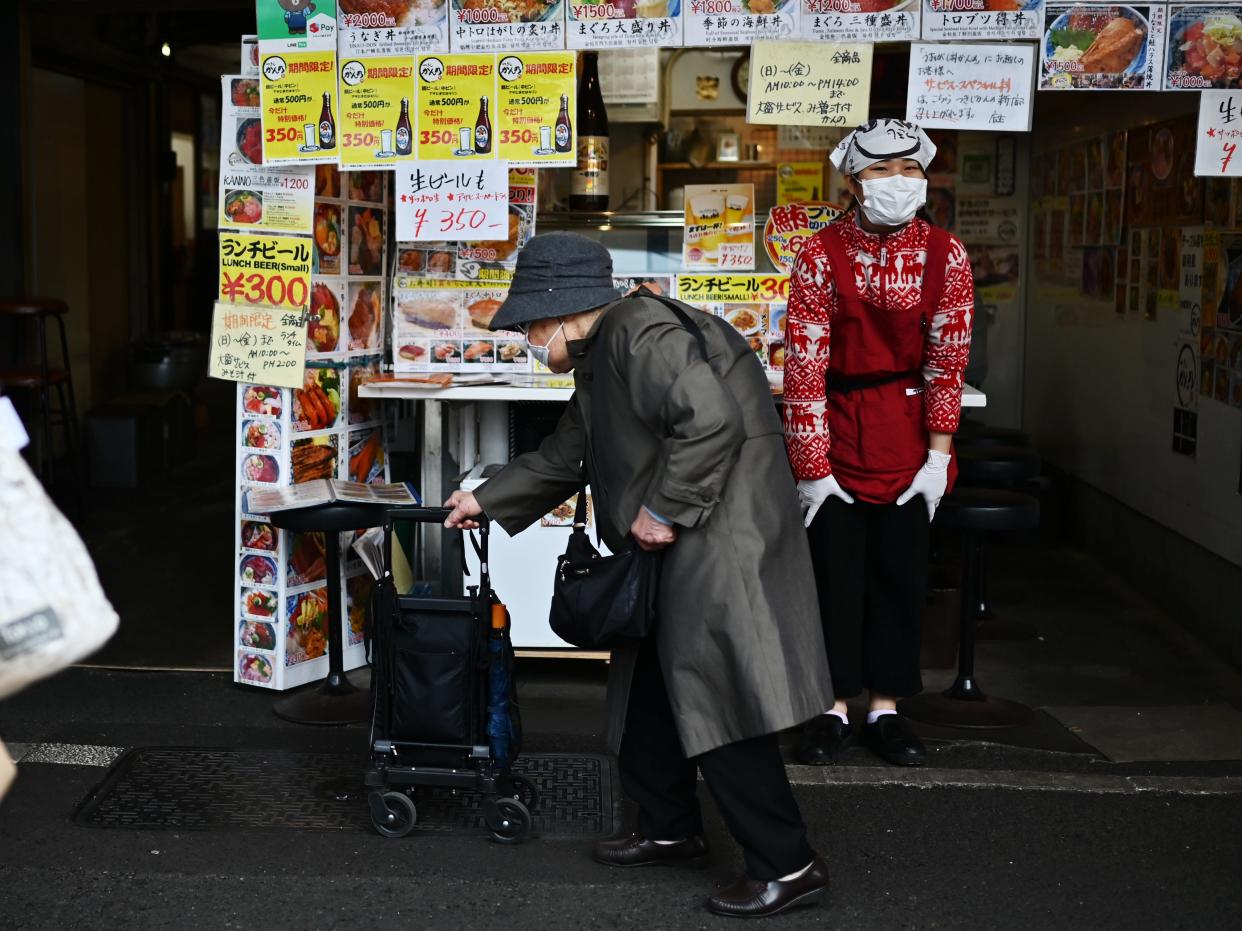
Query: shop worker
[
  {"x": 683, "y": 454},
  {"x": 878, "y": 324}
]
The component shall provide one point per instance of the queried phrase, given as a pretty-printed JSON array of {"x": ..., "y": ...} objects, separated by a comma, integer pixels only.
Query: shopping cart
[{"x": 443, "y": 703}]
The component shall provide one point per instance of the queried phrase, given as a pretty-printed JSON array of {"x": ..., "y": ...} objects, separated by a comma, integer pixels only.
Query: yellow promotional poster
[
  {"x": 456, "y": 96},
  {"x": 720, "y": 227},
  {"x": 270, "y": 270},
  {"x": 377, "y": 95},
  {"x": 299, "y": 107},
  {"x": 789, "y": 226},
  {"x": 537, "y": 95},
  {"x": 799, "y": 182},
  {"x": 754, "y": 305},
  {"x": 255, "y": 344},
  {"x": 809, "y": 84}
]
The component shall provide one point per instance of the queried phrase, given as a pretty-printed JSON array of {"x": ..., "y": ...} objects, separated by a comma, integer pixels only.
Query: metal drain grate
[{"x": 211, "y": 789}]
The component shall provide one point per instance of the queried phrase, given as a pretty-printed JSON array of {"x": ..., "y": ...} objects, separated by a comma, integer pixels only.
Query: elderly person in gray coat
[{"x": 684, "y": 455}]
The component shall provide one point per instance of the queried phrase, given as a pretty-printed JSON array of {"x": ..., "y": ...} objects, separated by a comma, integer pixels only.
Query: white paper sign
[
  {"x": 982, "y": 19},
  {"x": 449, "y": 201},
  {"x": 857, "y": 21},
  {"x": 984, "y": 87},
  {"x": 1220, "y": 134},
  {"x": 739, "y": 22}
]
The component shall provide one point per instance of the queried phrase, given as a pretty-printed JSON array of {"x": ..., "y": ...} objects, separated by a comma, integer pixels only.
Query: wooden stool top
[
  {"x": 32, "y": 307},
  {"x": 30, "y": 377}
]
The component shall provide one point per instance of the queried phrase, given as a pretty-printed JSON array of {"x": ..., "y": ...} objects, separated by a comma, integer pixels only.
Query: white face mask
[
  {"x": 893, "y": 201},
  {"x": 541, "y": 353}
]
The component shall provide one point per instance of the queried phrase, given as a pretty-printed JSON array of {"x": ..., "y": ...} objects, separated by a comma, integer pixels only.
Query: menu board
[
  {"x": 955, "y": 20},
  {"x": 964, "y": 87},
  {"x": 624, "y": 24},
  {"x": 456, "y": 94},
  {"x": 754, "y": 305},
  {"x": 1219, "y": 134},
  {"x": 860, "y": 20},
  {"x": 252, "y": 195},
  {"x": 1204, "y": 48},
  {"x": 537, "y": 94},
  {"x": 297, "y": 73},
  {"x": 740, "y": 22},
  {"x": 441, "y": 325},
  {"x": 371, "y": 28},
  {"x": 521, "y": 26},
  {"x": 1103, "y": 46},
  {"x": 809, "y": 83},
  {"x": 719, "y": 226}
]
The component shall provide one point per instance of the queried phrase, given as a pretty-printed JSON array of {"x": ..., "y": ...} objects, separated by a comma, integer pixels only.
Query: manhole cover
[{"x": 209, "y": 789}]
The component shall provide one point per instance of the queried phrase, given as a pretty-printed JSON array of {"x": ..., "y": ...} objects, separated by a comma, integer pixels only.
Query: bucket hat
[{"x": 557, "y": 274}]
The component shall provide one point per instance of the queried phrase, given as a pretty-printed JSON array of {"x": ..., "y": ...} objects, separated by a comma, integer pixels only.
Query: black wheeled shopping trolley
[{"x": 443, "y": 708}]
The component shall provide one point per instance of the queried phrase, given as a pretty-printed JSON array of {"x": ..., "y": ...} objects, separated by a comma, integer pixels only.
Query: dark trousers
[
  {"x": 871, "y": 572},
  {"x": 746, "y": 778}
]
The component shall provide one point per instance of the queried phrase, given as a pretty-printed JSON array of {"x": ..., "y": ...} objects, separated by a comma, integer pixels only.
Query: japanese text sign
[
  {"x": 615, "y": 24},
  {"x": 376, "y": 94},
  {"x": 959, "y": 86},
  {"x": 269, "y": 270},
  {"x": 299, "y": 100},
  {"x": 1103, "y": 46},
  {"x": 737, "y": 22},
  {"x": 532, "y": 25},
  {"x": 1220, "y": 132},
  {"x": 809, "y": 83},
  {"x": 720, "y": 227},
  {"x": 455, "y": 98},
  {"x": 536, "y": 104},
  {"x": 452, "y": 202},
  {"x": 982, "y": 19},
  {"x": 860, "y": 20},
  {"x": 258, "y": 344},
  {"x": 380, "y": 28},
  {"x": 791, "y": 226}
]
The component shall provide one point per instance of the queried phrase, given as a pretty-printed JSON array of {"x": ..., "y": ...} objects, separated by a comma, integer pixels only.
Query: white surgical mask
[
  {"x": 893, "y": 201},
  {"x": 541, "y": 353}
]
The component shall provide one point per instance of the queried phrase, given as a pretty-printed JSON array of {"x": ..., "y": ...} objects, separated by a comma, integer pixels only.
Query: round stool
[
  {"x": 336, "y": 700},
  {"x": 976, "y": 512},
  {"x": 970, "y": 433}
]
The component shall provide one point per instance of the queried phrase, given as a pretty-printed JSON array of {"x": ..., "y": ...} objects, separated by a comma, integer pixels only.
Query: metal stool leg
[
  {"x": 73, "y": 440},
  {"x": 47, "y": 451},
  {"x": 992, "y": 627}
]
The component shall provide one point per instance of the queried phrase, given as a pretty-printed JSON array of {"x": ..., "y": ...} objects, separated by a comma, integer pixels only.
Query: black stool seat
[
  {"x": 996, "y": 465},
  {"x": 336, "y": 700},
  {"x": 32, "y": 307},
  {"x": 988, "y": 509},
  {"x": 32, "y": 377},
  {"x": 974, "y": 434}
]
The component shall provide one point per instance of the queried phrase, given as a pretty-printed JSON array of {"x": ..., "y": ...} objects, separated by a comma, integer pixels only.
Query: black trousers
[
  {"x": 746, "y": 778},
  {"x": 871, "y": 572}
]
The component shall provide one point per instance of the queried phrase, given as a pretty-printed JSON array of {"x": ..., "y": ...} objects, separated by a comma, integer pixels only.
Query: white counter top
[{"x": 529, "y": 388}]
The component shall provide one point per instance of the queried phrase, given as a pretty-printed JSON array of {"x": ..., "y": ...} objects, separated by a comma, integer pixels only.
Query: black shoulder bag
[{"x": 604, "y": 602}]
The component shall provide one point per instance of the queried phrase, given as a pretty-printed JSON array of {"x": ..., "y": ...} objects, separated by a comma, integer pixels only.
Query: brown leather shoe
[
  {"x": 749, "y": 898},
  {"x": 636, "y": 850}
]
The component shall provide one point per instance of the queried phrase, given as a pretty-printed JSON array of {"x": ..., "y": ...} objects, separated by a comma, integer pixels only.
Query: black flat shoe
[
  {"x": 749, "y": 898},
  {"x": 636, "y": 850},
  {"x": 892, "y": 739},
  {"x": 823, "y": 741}
]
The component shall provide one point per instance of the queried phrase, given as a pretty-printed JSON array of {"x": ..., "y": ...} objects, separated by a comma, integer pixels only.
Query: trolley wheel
[
  {"x": 393, "y": 813},
  {"x": 520, "y": 788},
  {"x": 508, "y": 819}
]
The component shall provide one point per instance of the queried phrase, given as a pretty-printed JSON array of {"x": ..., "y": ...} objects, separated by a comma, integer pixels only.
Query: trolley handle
[{"x": 424, "y": 515}]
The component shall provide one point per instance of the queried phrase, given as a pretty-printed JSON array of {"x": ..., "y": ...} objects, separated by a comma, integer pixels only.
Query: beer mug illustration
[
  {"x": 310, "y": 133},
  {"x": 707, "y": 224},
  {"x": 545, "y": 140},
  {"x": 739, "y": 218},
  {"x": 385, "y": 144},
  {"x": 466, "y": 139}
]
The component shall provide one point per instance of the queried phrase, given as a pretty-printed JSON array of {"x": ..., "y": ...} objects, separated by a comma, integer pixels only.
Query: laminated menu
[
  {"x": 442, "y": 325},
  {"x": 1103, "y": 46},
  {"x": 624, "y": 24},
  {"x": 1204, "y": 47},
  {"x": 512, "y": 26},
  {"x": 954, "y": 20},
  {"x": 328, "y": 491},
  {"x": 861, "y": 20}
]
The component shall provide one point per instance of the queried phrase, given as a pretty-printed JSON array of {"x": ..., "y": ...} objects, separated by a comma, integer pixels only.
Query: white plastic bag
[{"x": 53, "y": 611}]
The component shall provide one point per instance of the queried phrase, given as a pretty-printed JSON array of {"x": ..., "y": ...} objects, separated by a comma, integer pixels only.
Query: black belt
[{"x": 844, "y": 384}]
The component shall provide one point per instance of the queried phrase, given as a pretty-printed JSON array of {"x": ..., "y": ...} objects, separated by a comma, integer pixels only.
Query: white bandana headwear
[{"x": 880, "y": 140}]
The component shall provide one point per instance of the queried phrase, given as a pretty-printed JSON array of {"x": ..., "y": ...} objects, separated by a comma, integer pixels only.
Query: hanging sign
[
  {"x": 963, "y": 87},
  {"x": 536, "y": 101},
  {"x": 297, "y": 73},
  {"x": 720, "y": 226},
  {"x": 452, "y": 202},
  {"x": 616, "y": 24},
  {"x": 252, "y": 195},
  {"x": 860, "y": 20},
  {"x": 809, "y": 83},
  {"x": 1204, "y": 48},
  {"x": 258, "y": 345},
  {"x": 528, "y": 26},
  {"x": 1219, "y": 134},
  {"x": 955, "y": 20},
  {"x": 740, "y": 22},
  {"x": 455, "y": 95},
  {"x": 376, "y": 128},
  {"x": 789, "y": 227},
  {"x": 263, "y": 269},
  {"x": 1103, "y": 46},
  {"x": 371, "y": 28}
]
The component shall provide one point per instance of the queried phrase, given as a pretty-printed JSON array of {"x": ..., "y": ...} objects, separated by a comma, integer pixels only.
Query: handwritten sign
[
  {"x": 859, "y": 21},
  {"x": 982, "y": 19},
  {"x": 971, "y": 86},
  {"x": 1220, "y": 132},
  {"x": 253, "y": 344},
  {"x": 452, "y": 202},
  {"x": 809, "y": 83},
  {"x": 269, "y": 270}
]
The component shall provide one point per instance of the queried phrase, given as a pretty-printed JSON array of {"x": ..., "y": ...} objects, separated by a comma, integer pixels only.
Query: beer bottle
[
  {"x": 564, "y": 130},
  {"x": 403, "y": 135},
  {"x": 589, "y": 190},
  {"x": 327, "y": 125},
  {"x": 483, "y": 130}
]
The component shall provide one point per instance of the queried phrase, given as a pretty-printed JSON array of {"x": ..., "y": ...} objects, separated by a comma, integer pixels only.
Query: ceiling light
[{"x": 166, "y": 50}]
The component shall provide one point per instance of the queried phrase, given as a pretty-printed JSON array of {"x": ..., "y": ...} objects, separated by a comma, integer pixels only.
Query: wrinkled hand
[
  {"x": 930, "y": 482},
  {"x": 813, "y": 492},
  {"x": 465, "y": 507},
  {"x": 650, "y": 534}
]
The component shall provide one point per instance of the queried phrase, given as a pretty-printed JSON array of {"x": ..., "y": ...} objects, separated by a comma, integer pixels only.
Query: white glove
[
  {"x": 930, "y": 482},
  {"x": 813, "y": 492}
]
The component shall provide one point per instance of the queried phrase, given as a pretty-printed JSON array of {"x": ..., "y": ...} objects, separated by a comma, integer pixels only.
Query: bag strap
[{"x": 682, "y": 316}]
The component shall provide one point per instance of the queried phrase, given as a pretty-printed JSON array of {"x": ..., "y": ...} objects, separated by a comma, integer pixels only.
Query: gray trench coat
[{"x": 739, "y": 633}]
